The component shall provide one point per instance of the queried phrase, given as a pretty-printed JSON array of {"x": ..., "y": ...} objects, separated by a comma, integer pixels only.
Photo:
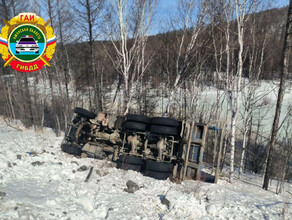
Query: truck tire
[
  {"x": 130, "y": 160},
  {"x": 158, "y": 129},
  {"x": 138, "y": 118},
  {"x": 125, "y": 166},
  {"x": 85, "y": 113},
  {"x": 158, "y": 170},
  {"x": 158, "y": 175},
  {"x": 130, "y": 163},
  {"x": 68, "y": 148},
  {"x": 164, "y": 121},
  {"x": 75, "y": 151},
  {"x": 133, "y": 126},
  {"x": 159, "y": 166},
  {"x": 64, "y": 148}
]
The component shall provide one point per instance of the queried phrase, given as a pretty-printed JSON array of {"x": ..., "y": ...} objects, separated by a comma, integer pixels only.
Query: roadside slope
[{"x": 38, "y": 181}]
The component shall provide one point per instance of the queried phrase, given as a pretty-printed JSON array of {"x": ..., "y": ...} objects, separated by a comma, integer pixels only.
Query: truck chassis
[{"x": 159, "y": 147}]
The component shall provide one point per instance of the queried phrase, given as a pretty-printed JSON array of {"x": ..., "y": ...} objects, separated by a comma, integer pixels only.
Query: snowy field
[
  {"x": 266, "y": 91},
  {"x": 38, "y": 181}
]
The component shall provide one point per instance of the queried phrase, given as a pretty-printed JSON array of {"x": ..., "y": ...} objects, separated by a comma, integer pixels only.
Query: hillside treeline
[{"x": 83, "y": 64}]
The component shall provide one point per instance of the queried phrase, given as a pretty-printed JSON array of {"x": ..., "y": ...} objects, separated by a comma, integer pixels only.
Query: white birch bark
[
  {"x": 129, "y": 59},
  {"x": 186, "y": 47}
]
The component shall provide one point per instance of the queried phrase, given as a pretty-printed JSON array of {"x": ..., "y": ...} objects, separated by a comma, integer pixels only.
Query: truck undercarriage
[{"x": 158, "y": 147}]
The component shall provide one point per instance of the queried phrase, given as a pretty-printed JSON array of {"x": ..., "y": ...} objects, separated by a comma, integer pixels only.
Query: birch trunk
[
  {"x": 240, "y": 13},
  {"x": 284, "y": 66}
]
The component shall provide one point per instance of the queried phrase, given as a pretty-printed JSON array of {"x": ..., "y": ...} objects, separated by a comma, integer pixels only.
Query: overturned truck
[{"x": 159, "y": 147}]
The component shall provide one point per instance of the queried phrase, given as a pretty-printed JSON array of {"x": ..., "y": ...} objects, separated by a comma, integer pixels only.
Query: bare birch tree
[
  {"x": 241, "y": 9},
  {"x": 190, "y": 21},
  {"x": 256, "y": 61},
  {"x": 128, "y": 28}
]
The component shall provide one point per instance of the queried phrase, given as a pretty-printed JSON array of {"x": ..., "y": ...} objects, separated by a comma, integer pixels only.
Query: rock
[
  {"x": 37, "y": 163},
  {"x": 73, "y": 171},
  {"x": 15, "y": 208},
  {"x": 131, "y": 184},
  {"x": 18, "y": 156},
  {"x": 211, "y": 209},
  {"x": 165, "y": 201},
  {"x": 131, "y": 187},
  {"x": 2, "y": 194},
  {"x": 207, "y": 199},
  {"x": 60, "y": 163},
  {"x": 14, "y": 164},
  {"x": 9, "y": 164},
  {"x": 82, "y": 168}
]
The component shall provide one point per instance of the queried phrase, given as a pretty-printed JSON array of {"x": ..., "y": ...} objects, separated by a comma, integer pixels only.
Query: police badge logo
[{"x": 27, "y": 42}]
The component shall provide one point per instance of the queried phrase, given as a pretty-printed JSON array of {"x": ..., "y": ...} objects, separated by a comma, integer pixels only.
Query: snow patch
[{"x": 53, "y": 189}]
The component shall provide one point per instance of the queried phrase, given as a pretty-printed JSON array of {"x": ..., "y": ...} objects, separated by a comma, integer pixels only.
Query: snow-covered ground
[{"x": 38, "y": 181}]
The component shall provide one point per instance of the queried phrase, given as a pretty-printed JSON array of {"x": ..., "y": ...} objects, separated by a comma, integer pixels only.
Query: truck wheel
[
  {"x": 85, "y": 113},
  {"x": 130, "y": 160},
  {"x": 64, "y": 148},
  {"x": 75, "y": 151},
  {"x": 164, "y": 121},
  {"x": 158, "y": 170},
  {"x": 130, "y": 163},
  {"x": 159, "y": 166},
  {"x": 134, "y": 126},
  {"x": 68, "y": 148},
  {"x": 138, "y": 118},
  {"x": 158, "y": 175},
  {"x": 157, "y": 129},
  {"x": 126, "y": 166}
]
